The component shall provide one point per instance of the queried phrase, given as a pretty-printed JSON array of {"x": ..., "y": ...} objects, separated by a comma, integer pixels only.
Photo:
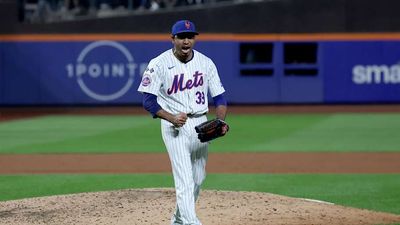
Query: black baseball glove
[{"x": 211, "y": 129}]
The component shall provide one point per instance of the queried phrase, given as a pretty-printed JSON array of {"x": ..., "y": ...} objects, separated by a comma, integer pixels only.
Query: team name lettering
[{"x": 179, "y": 85}]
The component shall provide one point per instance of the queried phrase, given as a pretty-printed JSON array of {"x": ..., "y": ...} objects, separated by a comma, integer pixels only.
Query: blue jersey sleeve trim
[
  {"x": 150, "y": 104},
  {"x": 219, "y": 100}
]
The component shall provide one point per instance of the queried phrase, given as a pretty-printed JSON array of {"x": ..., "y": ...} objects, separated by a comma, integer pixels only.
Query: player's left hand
[{"x": 211, "y": 130}]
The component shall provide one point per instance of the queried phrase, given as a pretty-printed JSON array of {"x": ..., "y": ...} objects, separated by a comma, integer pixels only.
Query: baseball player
[{"x": 175, "y": 86}]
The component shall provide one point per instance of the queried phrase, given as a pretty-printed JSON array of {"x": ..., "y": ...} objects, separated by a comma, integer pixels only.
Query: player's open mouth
[{"x": 185, "y": 49}]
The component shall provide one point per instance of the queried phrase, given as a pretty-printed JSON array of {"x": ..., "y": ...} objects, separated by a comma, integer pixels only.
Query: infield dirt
[{"x": 155, "y": 206}]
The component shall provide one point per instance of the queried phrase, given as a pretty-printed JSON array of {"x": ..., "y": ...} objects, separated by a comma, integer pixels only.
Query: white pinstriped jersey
[{"x": 182, "y": 87}]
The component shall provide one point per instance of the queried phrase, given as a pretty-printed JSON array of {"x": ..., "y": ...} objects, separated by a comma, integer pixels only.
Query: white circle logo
[{"x": 107, "y": 66}]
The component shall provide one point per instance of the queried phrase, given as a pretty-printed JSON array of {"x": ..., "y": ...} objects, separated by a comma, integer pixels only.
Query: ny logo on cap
[{"x": 187, "y": 24}]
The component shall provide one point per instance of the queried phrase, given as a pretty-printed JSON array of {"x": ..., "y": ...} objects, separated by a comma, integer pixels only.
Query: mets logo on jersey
[
  {"x": 146, "y": 81},
  {"x": 178, "y": 83}
]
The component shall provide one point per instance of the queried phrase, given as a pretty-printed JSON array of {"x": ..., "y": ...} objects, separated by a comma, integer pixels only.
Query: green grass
[
  {"x": 26, "y": 186},
  {"x": 107, "y": 134},
  {"x": 86, "y": 134},
  {"x": 379, "y": 192},
  {"x": 369, "y": 191},
  {"x": 333, "y": 132}
]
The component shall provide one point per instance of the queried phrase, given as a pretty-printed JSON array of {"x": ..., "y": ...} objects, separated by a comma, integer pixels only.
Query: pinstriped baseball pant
[{"x": 188, "y": 158}]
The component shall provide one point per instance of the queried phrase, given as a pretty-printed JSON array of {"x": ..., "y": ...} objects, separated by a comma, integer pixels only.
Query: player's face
[{"x": 183, "y": 45}]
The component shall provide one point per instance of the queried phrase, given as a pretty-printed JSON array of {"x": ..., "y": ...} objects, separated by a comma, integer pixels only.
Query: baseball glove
[{"x": 211, "y": 130}]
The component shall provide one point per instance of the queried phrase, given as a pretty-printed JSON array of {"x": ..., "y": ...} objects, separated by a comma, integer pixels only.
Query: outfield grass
[
  {"x": 257, "y": 133},
  {"x": 372, "y": 191}
]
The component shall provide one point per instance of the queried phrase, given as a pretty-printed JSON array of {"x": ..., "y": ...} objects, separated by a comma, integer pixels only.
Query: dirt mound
[{"x": 155, "y": 206}]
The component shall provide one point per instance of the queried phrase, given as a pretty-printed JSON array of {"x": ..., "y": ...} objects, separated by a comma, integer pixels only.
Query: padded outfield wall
[{"x": 256, "y": 69}]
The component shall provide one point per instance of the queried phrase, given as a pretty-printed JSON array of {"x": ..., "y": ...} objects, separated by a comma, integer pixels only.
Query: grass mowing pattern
[
  {"x": 342, "y": 132},
  {"x": 80, "y": 134},
  {"x": 377, "y": 192},
  {"x": 258, "y": 133}
]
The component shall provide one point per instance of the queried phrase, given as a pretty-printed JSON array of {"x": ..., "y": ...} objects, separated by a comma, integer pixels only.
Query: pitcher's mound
[{"x": 155, "y": 206}]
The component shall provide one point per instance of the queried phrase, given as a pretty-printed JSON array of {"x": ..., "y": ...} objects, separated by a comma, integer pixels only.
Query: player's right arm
[
  {"x": 150, "y": 86},
  {"x": 151, "y": 105},
  {"x": 177, "y": 120}
]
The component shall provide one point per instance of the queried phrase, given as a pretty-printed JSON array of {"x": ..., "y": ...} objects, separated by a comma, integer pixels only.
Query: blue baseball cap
[{"x": 183, "y": 26}]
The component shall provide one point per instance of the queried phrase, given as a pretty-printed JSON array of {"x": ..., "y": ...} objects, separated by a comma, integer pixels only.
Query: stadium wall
[{"x": 256, "y": 69}]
